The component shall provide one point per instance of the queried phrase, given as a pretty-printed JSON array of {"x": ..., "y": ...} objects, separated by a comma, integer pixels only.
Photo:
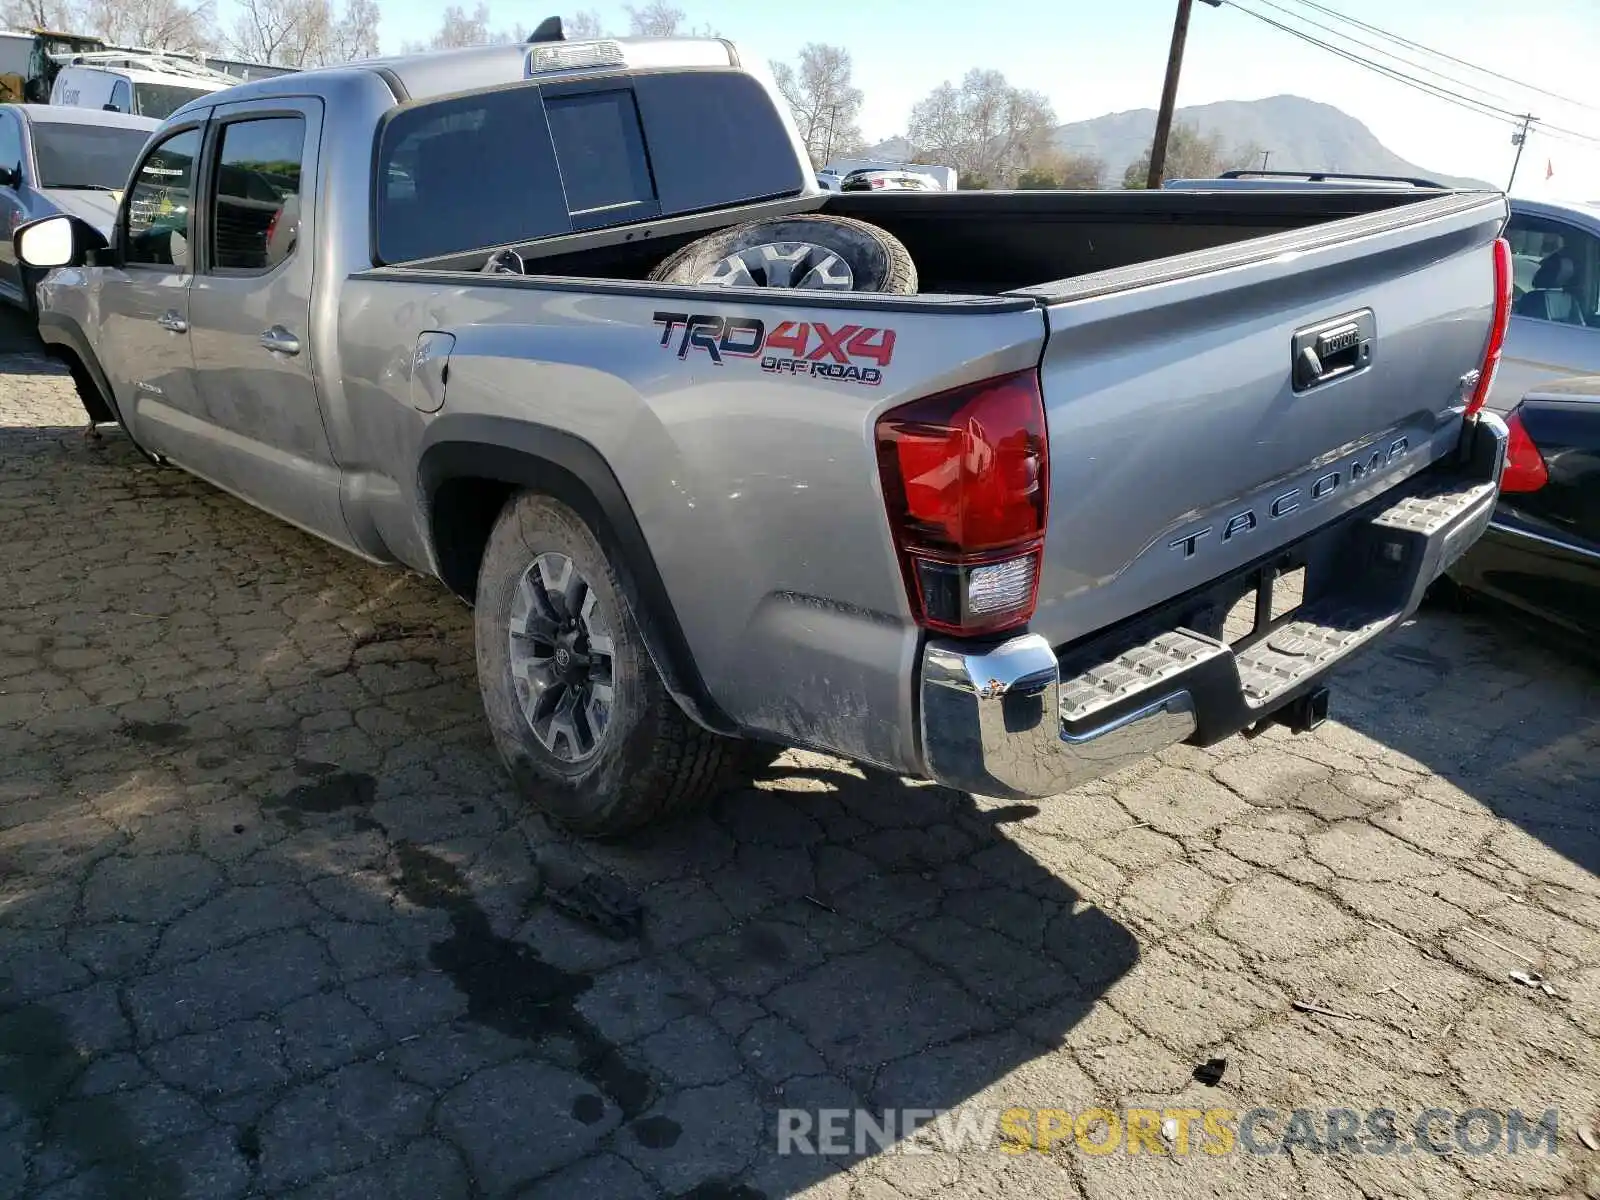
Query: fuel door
[{"x": 430, "y": 370}]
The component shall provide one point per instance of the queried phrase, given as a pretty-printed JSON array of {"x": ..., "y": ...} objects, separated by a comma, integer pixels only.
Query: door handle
[
  {"x": 1332, "y": 349},
  {"x": 280, "y": 341},
  {"x": 172, "y": 322}
]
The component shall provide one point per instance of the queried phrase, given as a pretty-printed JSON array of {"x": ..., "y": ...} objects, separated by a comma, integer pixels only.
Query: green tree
[
  {"x": 1058, "y": 170},
  {"x": 1192, "y": 155}
]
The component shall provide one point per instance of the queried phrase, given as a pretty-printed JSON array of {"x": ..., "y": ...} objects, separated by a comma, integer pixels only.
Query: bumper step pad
[
  {"x": 1138, "y": 669},
  {"x": 1318, "y": 634}
]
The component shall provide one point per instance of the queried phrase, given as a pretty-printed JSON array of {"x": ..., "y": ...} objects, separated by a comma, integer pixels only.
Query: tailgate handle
[{"x": 1332, "y": 349}]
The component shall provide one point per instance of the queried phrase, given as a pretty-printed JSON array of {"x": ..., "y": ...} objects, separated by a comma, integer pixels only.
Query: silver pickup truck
[{"x": 961, "y": 485}]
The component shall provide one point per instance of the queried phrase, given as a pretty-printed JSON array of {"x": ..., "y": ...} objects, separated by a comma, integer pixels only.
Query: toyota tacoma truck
[{"x": 969, "y": 486}]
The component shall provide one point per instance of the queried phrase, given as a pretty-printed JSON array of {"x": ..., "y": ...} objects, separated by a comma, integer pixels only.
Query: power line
[
  {"x": 1482, "y": 107},
  {"x": 1460, "y": 62},
  {"x": 1438, "y": 91},
  {"x": 1462, "y": 83}
]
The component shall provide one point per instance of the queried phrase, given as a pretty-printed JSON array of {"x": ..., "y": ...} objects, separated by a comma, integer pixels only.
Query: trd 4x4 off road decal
[{"x": 809, "y": 349}]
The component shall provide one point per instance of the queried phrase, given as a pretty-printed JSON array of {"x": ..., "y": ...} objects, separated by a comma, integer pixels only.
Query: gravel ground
[{"x": 271, "y": 923}]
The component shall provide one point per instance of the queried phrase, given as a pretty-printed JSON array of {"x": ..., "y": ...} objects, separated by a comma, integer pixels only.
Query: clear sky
[{"x": 1097, "y": 56}]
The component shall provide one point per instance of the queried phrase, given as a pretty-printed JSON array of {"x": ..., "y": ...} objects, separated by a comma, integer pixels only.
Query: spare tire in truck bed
[{"x": 827, "y": 253}]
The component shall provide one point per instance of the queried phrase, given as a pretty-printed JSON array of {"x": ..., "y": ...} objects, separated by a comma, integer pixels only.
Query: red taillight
[
  {"x": 273, "y": 224},
  {"x": 1497, "y": 331},
  {"x": 966, "y": 478},
  {"x": 1525, "y": 470}
]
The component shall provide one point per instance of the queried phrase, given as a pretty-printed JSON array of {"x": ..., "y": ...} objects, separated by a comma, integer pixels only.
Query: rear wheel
[{"x": 579, "y": 714}]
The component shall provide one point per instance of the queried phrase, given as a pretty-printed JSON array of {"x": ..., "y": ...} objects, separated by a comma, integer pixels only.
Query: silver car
[
  {"x": 60, "y": 159},
  {"x": 1555, "y": 304}
]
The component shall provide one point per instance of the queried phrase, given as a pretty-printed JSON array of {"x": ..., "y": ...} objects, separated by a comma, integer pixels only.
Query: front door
[
  {"x": 251, "y": 314},
  {"x": 144, "y": 303}
]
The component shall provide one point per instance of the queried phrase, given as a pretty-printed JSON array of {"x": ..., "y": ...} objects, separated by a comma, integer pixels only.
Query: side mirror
[
  {"x": 60, "y": 241},
  {"x": 11, "y": 177}
]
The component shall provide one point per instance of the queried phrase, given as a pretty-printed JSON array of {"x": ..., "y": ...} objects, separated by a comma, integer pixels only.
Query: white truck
[
  {"x": 142, "y": 84},
  {"x": 841, "y": 168}
]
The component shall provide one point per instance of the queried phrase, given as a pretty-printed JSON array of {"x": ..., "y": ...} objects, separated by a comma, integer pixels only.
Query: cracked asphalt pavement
[{"x": 272, "y": 924}]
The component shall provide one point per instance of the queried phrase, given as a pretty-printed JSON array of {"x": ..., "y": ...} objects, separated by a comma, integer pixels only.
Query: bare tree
[
  {"x": 987, "y": 129},
  {"x": 656, "y": 19},
  {"x": 662, "y": 19},
  {"x": 1192, "y": 155},
  {"x": 40, "y": 14},
  {"x": 174, "y": 25},
  {"x": 304, "y": 33},
  {"x": 355, "y": 33},
  {"x": 582, "y": 26},
  {"x": 824, "y": 101},
  {"x": 460, "y": 28}
]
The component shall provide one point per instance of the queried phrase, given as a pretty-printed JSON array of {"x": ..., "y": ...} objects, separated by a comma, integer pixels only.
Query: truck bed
[{"x": 988, "y": 243}]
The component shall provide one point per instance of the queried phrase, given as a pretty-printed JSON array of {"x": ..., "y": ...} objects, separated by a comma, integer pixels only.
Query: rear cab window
[
  {"x": 535, "y": 160},
  {"x": 256, "y": 200}
]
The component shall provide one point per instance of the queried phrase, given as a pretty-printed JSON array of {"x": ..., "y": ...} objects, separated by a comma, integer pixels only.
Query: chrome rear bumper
[
  {"x": 991, "y": 723},
  {"x": 1016, "y": 719}
]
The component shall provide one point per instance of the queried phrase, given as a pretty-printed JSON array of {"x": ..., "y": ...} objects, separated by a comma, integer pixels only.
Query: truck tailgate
[{"x": 1184, "y": 441}]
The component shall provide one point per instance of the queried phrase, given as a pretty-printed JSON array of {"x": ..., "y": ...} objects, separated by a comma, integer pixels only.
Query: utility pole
[
  {"x": 1519, "y": 139},
  {"x": 1169, "y": 91},
  {"x": 833, "y": 117},
  {"x": 1266, "y": 157}
]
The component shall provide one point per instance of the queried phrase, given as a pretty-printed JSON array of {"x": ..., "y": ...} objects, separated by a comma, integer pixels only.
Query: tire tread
[{"x": 682, "y": 766}]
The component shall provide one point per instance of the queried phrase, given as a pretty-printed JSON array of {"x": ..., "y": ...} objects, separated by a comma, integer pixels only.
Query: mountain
[{"x": 1303, "y": 135}]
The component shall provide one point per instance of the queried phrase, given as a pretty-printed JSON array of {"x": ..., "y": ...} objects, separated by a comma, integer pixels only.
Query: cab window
[
  {"x": 518, "y": 164},
  {"x": 122, "y": 96},
  {"x": 10, "y": 143},
  {"x": 255, "y": 214},
  {"x": 1555, "y": 271},
  {"x": 158, "y": 204}
]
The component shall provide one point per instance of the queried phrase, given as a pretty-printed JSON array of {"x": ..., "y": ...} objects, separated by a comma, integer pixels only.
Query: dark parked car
[
  {"x": 1541, "y": 553},
  {"x": 59, "y": 159}
]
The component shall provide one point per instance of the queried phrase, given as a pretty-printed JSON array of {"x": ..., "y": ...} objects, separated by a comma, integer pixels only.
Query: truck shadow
[
  {"x": 1501, "y": 714},
  {"x": 270, "y": 915}
]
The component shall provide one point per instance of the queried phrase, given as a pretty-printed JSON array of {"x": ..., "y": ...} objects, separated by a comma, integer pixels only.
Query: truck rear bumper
[{"x": 1022, "y": 719}]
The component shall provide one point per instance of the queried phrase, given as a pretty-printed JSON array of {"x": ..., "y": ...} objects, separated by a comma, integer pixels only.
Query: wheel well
[
  {"x": 466, "y": 484},
  {"x": 465, "y": 508},
  {"x": 464, "y": 512},
  {"x": 94, "y": 400}
]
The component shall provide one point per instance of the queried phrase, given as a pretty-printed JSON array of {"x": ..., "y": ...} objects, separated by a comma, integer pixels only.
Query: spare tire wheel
[{"x": 826, "y": 253}]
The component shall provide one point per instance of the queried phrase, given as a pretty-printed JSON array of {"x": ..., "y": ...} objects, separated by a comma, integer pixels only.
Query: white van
[{"x": 146, "y": 86}]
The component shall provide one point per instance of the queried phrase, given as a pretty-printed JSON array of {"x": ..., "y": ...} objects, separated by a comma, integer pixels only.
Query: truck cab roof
[{"x": 446, "y": 72}]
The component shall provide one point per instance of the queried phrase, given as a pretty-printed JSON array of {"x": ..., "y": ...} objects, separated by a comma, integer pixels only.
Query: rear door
[
  {"x": 1183, "y": 443},
  {"x": 251, "y": 314}
]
